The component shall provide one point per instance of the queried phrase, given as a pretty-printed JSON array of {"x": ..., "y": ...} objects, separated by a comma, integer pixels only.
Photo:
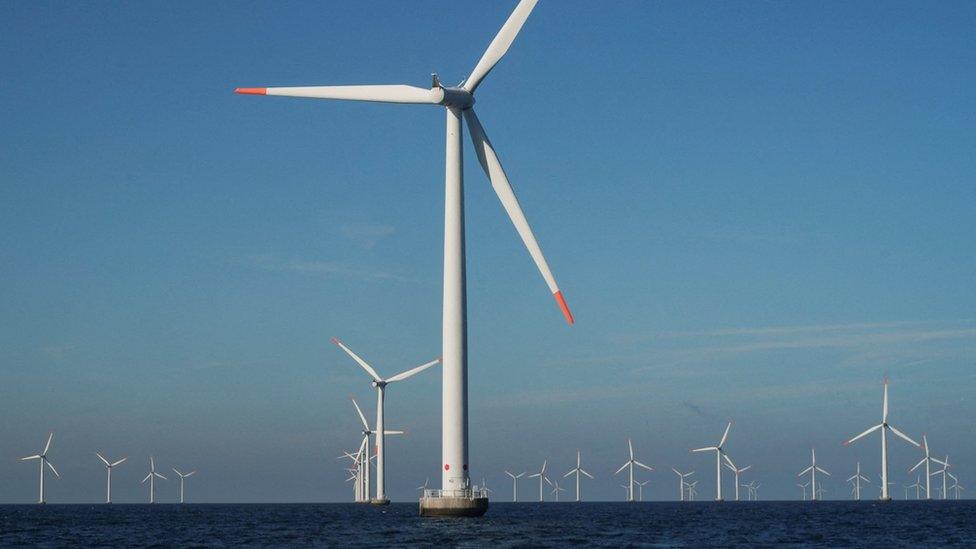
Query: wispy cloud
[
  {"x": 317, "y": 267},
  {"x": 366, "y": 235}
]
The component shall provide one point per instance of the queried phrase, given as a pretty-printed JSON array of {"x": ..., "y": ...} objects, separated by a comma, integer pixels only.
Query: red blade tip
[
  {"x": 251, "y": 91},
  {"x": 565, "y": 308}
]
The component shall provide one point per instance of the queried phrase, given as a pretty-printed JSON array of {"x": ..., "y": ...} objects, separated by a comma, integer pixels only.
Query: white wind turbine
[
  {"x": 578, "y": 470},
  {"x": 556, "y": 489},
  {"x": 640, "y": 489},
  {"x": 956, "y": 487},
  {"x": 630, "y": 464},
  {"x": 458, "y": 102},
  {"x": 944, "y": 471},
  {"x": 917, "y": 486},
  {"x": 515, "y": 484},
  {"x": 380, "y": 385},
  {"x": 927, "y": 460},
  {"x": 182, "y": 478},
  {"x": 880, "y": 479},
  {"x": 542, "y": 478},
  {"x": 719, "y": 454},
  {"x": 357, "y": 473},
  {"x": 884, "y": 427},
  {"x": 108, "y": 469},
  {"x": 813, "y": 469},
  {"x": 804, "y": 488},
  {"x": 681, "y": 482},
  {"x": 692, "y": 491},
  {"x": 732, "y": 467},
  {"x": 856, "y": 479},
  {"x": 151, "y": 477},
  {"x": 43, "y": 461}
]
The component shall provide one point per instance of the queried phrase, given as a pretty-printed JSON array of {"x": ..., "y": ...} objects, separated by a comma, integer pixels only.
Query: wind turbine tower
[
  {"x": 108, "y": 469},
  {"x": 42, "y": 457},
  {"x": 578, "y": 470},
  {"x": 380, "y": 385},
  {"x": 884, "y": 427},
  {"x": 719, "y": 454},
  {"x": 456, "y": 497}
]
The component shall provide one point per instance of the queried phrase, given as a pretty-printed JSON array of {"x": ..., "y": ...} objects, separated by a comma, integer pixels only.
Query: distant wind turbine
[
  {"x": 640, "y": 489},
  {"x": 944, "y": 471},
  {"x": 927, "y": 461},
  {"x": 556, "y": 489},
  {"x": 515, "y": 484},
  {"x": 151, "y": 477},
  {"x": 813, "y": 469},
  {"x": 630, "y": 464},
  {"x": 578, "y": 470},
  {"x": 380, "y": 385},
  {"x": 719, "y": 450},
  {"x": 804, "y": 488},
  {"x": 366, "y": 433},
  {"x": 917, "y": 486},
  {"x": 542, "y": 479},
  {"x": 856, "y": 479},
  {"x": 681, "y": 482},
  {"x": 108, "y": 469},
  {"x": 43, "y": 461},
  {"x": 884, "y": 427},
  {"x": 182, "y": 478},
  {"x": 732, "y": 467}
]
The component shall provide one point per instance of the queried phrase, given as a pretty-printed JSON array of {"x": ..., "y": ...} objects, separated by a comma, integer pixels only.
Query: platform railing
[{"x": 467, "y": 493}]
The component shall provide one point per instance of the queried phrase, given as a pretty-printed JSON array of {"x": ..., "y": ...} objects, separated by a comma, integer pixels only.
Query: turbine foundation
[{"x": 466, "y": 503}]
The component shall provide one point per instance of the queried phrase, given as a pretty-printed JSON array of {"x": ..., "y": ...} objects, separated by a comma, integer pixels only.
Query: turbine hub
[{"x": 457, "y": 97}]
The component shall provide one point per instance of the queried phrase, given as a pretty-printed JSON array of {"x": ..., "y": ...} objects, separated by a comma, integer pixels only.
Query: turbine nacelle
[{"x": 458, "y": 98}]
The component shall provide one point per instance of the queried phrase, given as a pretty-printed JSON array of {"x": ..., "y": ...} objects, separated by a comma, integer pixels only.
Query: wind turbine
[
  {"x": 578, "y": 470},
  {"x": 917, "y": 486},
  {"x": 956, "y": 487},
  {"x": 719, "y": 454},
  {"x": 151, "y": 477},
  {"x": 884, "y": 427},
  {"x": 423, "y": 488},
  {"x": 358, "y": 475},
  {"x": 681, "y": 482},
  {"x": 692, "y": 492},
  {"x": 515, "y": 484},
  {"x": 630, "y": 463},
  {"x": 856, "y": 479},
  {"x": 640, "y": 489},
  {"x": 458, "y": 102},
  {"x": 813, "y": 469},
  {"x": 944, "y": 471},
  {"x": 732, "y": 467},
  {"x": 43, "y": 461},
  {"x": 380, "y": 385},
  {"x": 556, "y": 489},
  {"x": 821, "y": 491},
  {"x": 804, "y": 488},
  {"x": 626, "y": 492},
  {"x": 182, "y": 477},
  {"x": 542, "y": 479},
  {"x": 108, "y": 469},
  {"x": 927, "y": 460}
]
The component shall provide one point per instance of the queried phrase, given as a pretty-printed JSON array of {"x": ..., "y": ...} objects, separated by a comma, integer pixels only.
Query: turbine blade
[
  {"x": 36, "y": 456},
  {"x": 569, "y": 473},
  {"x": 160, "y": 476},
  {"x": 499, "y": 182},
  {"x": 884, "y": 407},
  {"x": 725, "y": 436},
  {"x": 520, "y": 475},
  {"x": 639, "y": 464},
  {"x": 534, "y": 475},
  {"x": 48, "y": 445},
  {"x": 105, "y": 461},
  {"x": 805, "y": 471},
  {"x": 622, "y": 467},
  {"x": 147, "y": 478},
  {"x": 500, "y": 44},
  {"x": 746, "y": 468},
  {"x": 396, "y": 93},
  {"x": 53, "y": 470},
  {"x": 823, "y": 471},
  {"x": 119, "y": 461},
  {"x": 585, "y": 473},
  {"x": 409, "y": 373},
  {"x": 190, "y": 474},
  {"x": 904, "y": 436},
  {"x": 728, "y": 461},
  {"x": 708, "y": 449},
  {"x": 361, "y": 416},
  {"x": 630, "y": 446},
  {"x": 385, "y": 432},
  {"x": 864, "y": 434},
  {"x": 369, "y": 369}
]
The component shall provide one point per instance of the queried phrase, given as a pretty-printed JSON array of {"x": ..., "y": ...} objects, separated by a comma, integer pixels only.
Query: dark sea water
[{"x": 690, "y": 524}]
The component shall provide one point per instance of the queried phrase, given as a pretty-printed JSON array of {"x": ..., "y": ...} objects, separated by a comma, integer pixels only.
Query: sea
[{"x": 645, "y": 524}]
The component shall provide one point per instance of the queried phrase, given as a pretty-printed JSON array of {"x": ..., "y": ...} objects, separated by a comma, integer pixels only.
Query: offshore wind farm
[{"x": 726, "y": 192}]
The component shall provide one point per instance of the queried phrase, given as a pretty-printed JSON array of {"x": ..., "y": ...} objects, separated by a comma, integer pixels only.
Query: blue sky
[{"x": 755, "y": 211}]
